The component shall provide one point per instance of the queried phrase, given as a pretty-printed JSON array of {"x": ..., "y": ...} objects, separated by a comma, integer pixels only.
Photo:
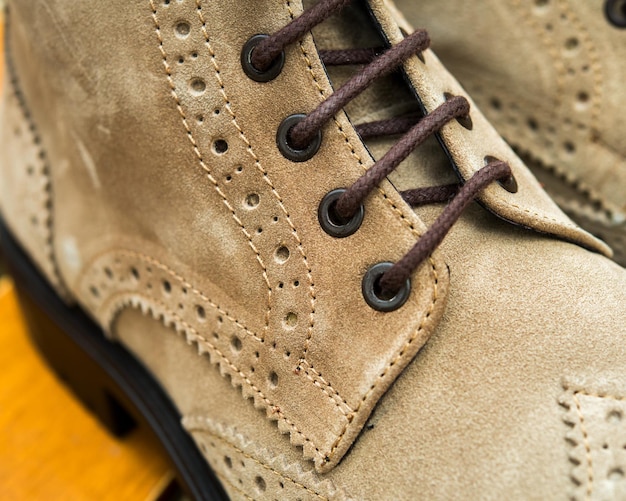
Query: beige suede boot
[
  {"x": 174, "y": 175},
  {"x": 550, "y": 75}
]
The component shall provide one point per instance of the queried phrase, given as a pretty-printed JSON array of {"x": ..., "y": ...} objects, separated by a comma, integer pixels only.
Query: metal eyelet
[
  {"x": 288, "y": 151},
  {"x": 615, "y": 11},
  {"x": 510, "y": 183},
  {"x": 249, "y": 69},
  {"x": 373, "y": 294},
  {"x": 331, "y": 222},
  {"x": 465, "y": 121}
]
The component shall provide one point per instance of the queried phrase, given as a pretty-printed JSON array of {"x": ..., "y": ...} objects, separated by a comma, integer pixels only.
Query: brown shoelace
[{"x": 416, "y": 129}]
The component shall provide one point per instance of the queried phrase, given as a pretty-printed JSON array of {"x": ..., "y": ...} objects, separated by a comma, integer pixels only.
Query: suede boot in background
[
  {"x": 550, "y": 75},
  {"x": 157, "y": 178}
]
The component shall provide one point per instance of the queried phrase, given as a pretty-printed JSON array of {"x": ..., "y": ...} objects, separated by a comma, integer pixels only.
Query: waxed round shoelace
[{"x": 416, "y": 129}]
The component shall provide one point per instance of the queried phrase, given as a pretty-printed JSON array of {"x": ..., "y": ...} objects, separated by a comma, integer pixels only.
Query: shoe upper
[
  {"x": 549, "y": 75},
  {"x": 140, "y": 169}
]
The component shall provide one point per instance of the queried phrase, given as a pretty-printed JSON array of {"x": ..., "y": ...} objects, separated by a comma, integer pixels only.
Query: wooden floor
[{"x": 50, "y": 447}]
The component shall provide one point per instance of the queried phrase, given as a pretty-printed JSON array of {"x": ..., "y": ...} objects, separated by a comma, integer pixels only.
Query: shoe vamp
[
  {"x": 520, "y": 392},
  {"x": 465, "y": 374},
  {"x": 515, "y": 394},
  {"x": 482, "y": 410}
]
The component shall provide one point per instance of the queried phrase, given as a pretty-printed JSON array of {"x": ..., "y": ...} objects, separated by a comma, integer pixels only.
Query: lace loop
[
  {"x": 431, "y": 123},
  {"x": 349, "y": 56},
  {"x": 430, "y": 194},
  {"x": 387, "y": 127},
  {"x": 302, "y": 133},
  {"x": 270, "y": 48},
  {"x": 395, "y": 277}
]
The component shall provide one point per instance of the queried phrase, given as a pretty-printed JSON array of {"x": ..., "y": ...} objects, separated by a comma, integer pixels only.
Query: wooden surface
[{"x": 50, "y": 447}]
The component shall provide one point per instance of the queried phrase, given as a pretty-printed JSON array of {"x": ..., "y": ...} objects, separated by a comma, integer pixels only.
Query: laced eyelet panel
[{"x": 300, "y": 134}]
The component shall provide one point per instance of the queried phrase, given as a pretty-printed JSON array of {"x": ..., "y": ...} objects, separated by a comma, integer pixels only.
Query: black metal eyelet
[
  {"x": 331, "y": 222},
  {"x": 246, "y": 61},
  {"x": 510, "y": 183},
  {"x": 615, "y": 11},
  {"x": 373, "y": 294},
  {"x": 465, "y": 121},
  {"x": 290, "y": 152}
]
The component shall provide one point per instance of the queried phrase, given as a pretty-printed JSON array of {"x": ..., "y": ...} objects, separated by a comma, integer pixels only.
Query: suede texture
[
  {"x": 224, "y": 244},
  {"x": 180, "y": 228},
  {"x": 25, "y": 180},
  {"x": 550, "y": 76},
  {"x": 487, "y": 408}
]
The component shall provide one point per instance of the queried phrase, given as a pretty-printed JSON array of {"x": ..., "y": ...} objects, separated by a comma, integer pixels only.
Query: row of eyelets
[
  {"x": 509, "y": 184},
  {"x": 282, "y": 136},
  {"x": 330, "y": 222}
]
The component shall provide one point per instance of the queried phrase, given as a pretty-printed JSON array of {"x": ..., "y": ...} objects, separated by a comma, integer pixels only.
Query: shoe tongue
[{"x": 386, "y": 98}]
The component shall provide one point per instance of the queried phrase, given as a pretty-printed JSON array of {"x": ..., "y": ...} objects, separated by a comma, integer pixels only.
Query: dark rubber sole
[{"x": 105, "y": 377}]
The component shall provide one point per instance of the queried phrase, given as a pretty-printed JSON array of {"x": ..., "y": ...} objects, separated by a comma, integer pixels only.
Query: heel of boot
[
  {"x": 102, "y": 374},
  {"x": 75, "y": 367}
]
